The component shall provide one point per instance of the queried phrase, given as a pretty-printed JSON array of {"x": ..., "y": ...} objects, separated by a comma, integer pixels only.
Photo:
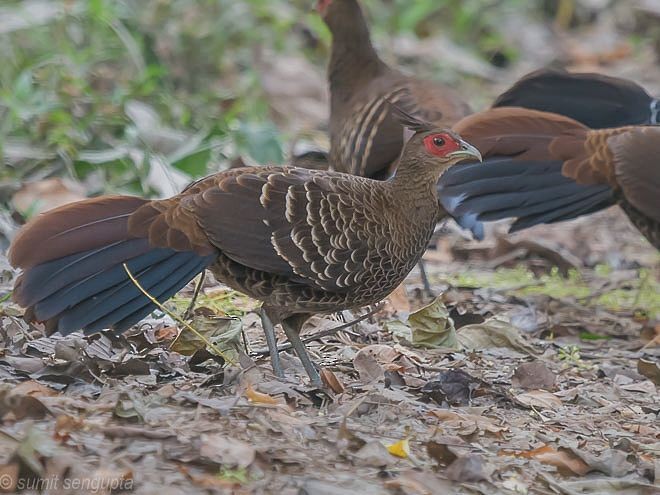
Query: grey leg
[
  {"x": 271, "y": 340},
  {"x": 198, "y": 288},
  {"x": 294, "y": 337},
  {"x": 425, "y": 279}
]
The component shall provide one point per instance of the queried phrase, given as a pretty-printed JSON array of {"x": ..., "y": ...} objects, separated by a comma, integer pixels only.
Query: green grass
[
  {"x": 641, "y": 293},
  {"x": 69, "y": 82}
]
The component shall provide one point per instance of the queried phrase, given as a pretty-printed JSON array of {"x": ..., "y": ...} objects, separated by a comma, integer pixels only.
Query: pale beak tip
[
  {"x": 474, "y": 152},
  {"x": 468, "y": 151}
]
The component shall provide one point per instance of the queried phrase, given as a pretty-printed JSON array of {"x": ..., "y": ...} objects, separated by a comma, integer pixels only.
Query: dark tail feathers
[
  {"x": 73, "y": 267},
  {"x": 533, "y": 192},
  {"x": 596, "y": 100}
]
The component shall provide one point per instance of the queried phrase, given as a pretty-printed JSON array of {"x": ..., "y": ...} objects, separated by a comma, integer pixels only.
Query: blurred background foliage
[{"x": 141, "y": 96}]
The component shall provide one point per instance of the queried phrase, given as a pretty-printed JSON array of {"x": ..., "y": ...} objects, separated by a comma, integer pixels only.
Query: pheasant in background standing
[
  {"x": 543, "y": 168},
  {"x": 365, "y": 137},
  {"x": 302, "y": 241}
]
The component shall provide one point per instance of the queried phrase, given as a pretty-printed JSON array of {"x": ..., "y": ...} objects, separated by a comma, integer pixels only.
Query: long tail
[
  {"x": 596, "y": 100},
  {"x": 533, "y": 192},
  {"x": 73, "y": 275}
]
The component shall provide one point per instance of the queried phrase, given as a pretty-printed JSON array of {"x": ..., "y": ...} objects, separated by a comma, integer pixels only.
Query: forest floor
[
  {"x": 516, "y": 379},
  {"x": 534, "y": 370}
]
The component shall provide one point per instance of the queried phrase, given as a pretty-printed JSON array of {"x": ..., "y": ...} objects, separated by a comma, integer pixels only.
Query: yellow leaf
[
  {"x": 400, "y": 448},
  {"x": 258, "y": 397}
]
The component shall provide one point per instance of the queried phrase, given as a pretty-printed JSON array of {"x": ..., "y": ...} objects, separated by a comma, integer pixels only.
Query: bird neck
[
  {"x": 354, "y": 60},
  {"x": 415, "y": 183},
  {"x": 413, "y": 212}
]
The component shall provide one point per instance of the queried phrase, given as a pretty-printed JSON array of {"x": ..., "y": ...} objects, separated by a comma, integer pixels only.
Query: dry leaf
[
  {"x": 21, "y": 406},
  {"x": 429, "y": 326},
  {"x": 611, "y": 462},
  {"x": 400, "y": 448},
  {"x": 105, "y": 477},
  {"x": 453, "y": 386},
  {"x": 344, "y": 487},
  {"x": 419, "y": 483},
  {"x": 64, "y": 425},
  {"x": 562, "y": 459},
  {"x": 469, "y": 468},
  {"x": 33, "y": 389},
  {"x": 347, "y": 441},
  {"x": 650, "y": 369},
  {"x": 223, "y": 332},
  {"x": 210, "y": 481},
  {"x": 258, "y": 397},
  {"x": 384, "y": 354},
  {"x": 368, "y": 368},
  {"x": 645, "y": 387},
  {"x": 331, "y": 381},
  {"x": 226, "y": 451},
  {"x": 465, "y": 423},
  {"x": 603, "y": 486},
  {"x": 374, "y": 454},
  {"x": 440, "y": 453},
  {"x": 493, "y": 333},
  {"x": 370, "y": 361},
  {"x": 539, "y": 399},
  {"x": 166, "y": 334},
  {"x": 533, "y": 375}
]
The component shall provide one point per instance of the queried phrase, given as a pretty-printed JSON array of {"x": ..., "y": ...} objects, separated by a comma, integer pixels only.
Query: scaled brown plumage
[{"x": 302, "y": 241}]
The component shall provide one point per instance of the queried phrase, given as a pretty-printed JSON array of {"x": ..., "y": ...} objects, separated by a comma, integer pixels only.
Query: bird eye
[{"x": 438, "y": 141}]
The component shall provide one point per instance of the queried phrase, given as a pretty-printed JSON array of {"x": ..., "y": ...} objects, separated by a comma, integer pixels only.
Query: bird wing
[
  {"x": 286, "y": 221},
  {"x": 586, "y": 156},
  {"x": 370, "y": 139},
  {"x": 515, "y": 132}
]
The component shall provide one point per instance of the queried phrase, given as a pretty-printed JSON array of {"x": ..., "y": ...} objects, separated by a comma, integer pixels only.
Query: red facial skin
[
  {"x": 450, "y": 144},
  {"x": 322, "y": 6}
]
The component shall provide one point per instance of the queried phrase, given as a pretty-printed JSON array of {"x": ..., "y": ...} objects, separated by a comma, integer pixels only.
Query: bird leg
[
  {"x": 425, "y": 279},
  {"x": 198, "y": 288},
  {"x": 293, "y": 334},
  {"x": 271, "y": 340}
]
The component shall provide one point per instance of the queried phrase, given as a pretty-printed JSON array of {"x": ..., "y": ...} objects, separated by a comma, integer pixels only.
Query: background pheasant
[
  {"x": 365, "y": 137},
  {"x": 596, "y": 100},
  {"x": 543, "y": 168}
]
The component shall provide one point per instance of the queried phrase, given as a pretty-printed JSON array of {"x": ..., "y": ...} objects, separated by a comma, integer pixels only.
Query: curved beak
[{"x": 466, "y": 152}]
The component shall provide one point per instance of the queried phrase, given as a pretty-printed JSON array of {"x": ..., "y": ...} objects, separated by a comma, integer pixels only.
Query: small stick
[{"x": 176, "y": 318}]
